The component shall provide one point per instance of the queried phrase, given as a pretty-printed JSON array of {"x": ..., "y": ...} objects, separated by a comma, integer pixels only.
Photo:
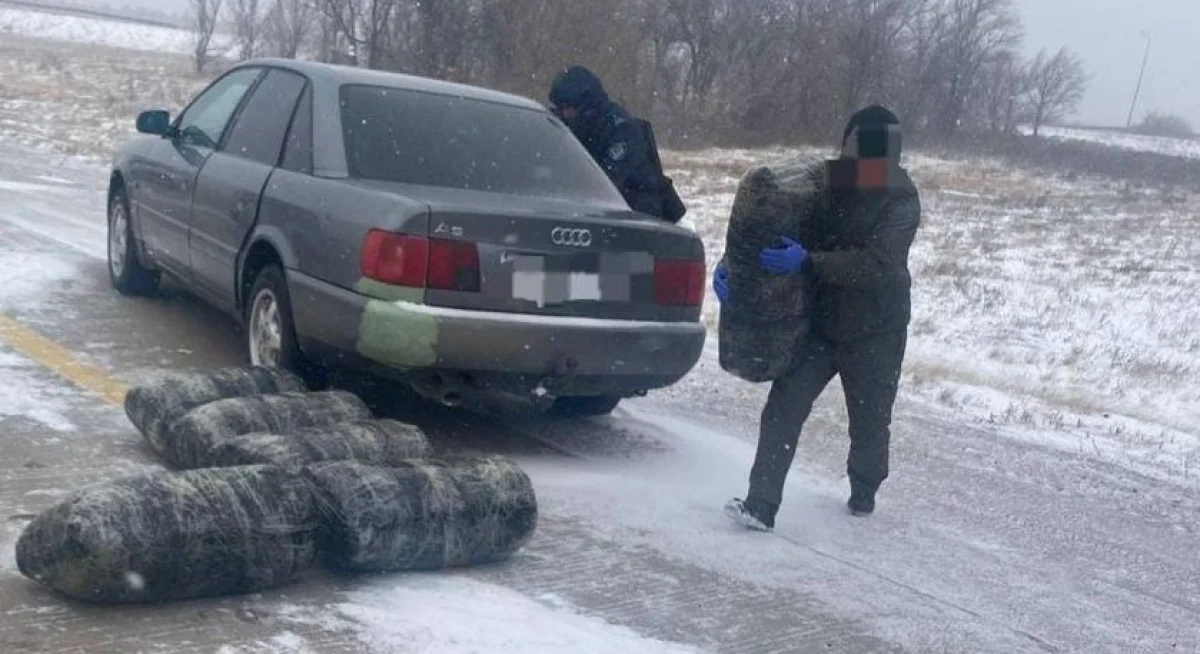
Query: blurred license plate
[{"x": 550, "y": 280}]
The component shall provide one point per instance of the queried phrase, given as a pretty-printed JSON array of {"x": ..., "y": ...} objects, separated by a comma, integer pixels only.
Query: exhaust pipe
[{"x": 447, "y": 390}]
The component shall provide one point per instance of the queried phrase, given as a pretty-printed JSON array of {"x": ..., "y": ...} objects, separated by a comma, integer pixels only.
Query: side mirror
[{"x": 156, "y": 122}]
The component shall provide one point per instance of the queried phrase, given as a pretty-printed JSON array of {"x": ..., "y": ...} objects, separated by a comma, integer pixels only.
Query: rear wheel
[
  {"x": 581, "y": 407},
  {"x": 125, "y": 271},
  {"x": 270, "y": 333}
]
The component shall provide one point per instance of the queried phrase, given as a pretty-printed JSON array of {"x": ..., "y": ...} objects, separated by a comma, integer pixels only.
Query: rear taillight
[
  {"x": 419, "y": 262},
  {"x": 679, "y": 282},
  {"x": 453, "y": 266},
  {"x": 395, "y": 258}
]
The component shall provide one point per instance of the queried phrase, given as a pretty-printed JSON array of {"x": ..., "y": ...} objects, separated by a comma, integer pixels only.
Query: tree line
[{"x": 705, "y": 71}]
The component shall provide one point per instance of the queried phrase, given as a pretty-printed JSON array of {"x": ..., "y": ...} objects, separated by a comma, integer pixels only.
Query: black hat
[{"x": 577, "y": 87}]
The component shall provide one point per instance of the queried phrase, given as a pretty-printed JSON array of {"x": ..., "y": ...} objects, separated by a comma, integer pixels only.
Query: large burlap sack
[
  {"x": 190, "y": 440},
  {"x": 152, "y": 407},
  {"x": 377, "y": 442},
  {"x": 423, "y": 515},
  {"x": 172, "y": 536},
  {"x": 766, "y": 314}
]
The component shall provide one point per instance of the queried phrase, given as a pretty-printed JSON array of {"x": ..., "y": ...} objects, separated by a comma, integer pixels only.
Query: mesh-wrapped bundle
[
  {"x": 766, "y": 314},
  {"x": 191, "y": 439},
  {"x": 422, "y": 515},
  {"x": 172, "y": 536},
  {"x": 378, "y": 442},
  {"x": 153, "y": 407}
]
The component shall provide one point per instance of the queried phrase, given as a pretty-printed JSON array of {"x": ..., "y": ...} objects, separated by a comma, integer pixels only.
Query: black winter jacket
[
  {"x": 613, "y": 137},
  {"x": 859, "y": 244}
]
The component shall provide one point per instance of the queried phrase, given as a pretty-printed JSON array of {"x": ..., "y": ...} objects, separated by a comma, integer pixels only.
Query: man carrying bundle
[{"x": 855, "y": 248}]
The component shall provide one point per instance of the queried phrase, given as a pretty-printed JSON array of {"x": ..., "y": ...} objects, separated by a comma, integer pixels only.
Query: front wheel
[
  {"x": 270, "y": 333},
  {"x": 125, "y": 271},
  {"x": 582, "y": 407}
]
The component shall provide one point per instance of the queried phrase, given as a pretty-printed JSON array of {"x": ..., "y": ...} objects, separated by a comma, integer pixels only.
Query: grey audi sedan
[{"x": 456, "y": 239}]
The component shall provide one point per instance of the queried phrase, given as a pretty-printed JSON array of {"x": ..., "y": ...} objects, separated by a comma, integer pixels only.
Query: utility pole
[{"x": 1138, "y": 88}]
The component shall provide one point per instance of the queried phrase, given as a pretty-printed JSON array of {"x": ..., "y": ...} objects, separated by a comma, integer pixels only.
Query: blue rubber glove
[
  {"x": 786, "y": 260},
  {"x": 721, "y": 283}
]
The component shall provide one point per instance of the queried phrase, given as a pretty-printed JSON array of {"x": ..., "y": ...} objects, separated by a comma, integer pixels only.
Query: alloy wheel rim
[
  {"x": 266, "y": 330},
  {"x": 118, "y": 229}
]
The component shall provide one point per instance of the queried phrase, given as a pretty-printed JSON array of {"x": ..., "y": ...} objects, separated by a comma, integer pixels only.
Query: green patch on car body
[
  {"x": 389, "y": 292},
  {"x": 392, "y": 333}
]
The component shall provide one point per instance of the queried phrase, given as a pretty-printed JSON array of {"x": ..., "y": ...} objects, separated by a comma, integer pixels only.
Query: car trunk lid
[{"x": 554, "y": 258}]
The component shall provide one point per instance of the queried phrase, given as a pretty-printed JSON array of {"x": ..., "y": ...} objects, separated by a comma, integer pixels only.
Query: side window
[
  {"x": 298, "y": 151},
  {"x": 262, "y": 124},
  {"x": 203, "y": 124}
]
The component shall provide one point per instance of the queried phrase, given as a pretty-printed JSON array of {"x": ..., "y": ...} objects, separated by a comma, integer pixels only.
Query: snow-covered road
[{"x": 983, "y": 542}]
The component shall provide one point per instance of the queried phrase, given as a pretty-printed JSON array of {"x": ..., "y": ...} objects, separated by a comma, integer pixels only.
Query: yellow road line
[{"x": 61, "y": 361}]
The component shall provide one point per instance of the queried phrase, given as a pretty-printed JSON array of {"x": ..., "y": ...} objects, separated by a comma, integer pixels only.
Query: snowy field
[
  {"x": 1058, "y": 314},
  {"x": 83, "y": 99},
  {"x": 1171, "y": 147},
  {"x": 96, "y": 31}
]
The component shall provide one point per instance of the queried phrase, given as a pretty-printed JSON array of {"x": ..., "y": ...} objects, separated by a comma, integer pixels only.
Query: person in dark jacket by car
[
  {"x": 856, "y": 250},
  {"x": 614, "y": 138}
]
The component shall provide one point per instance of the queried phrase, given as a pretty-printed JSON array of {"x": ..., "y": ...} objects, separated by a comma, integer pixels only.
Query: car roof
[{"x": 335, "y": 76}]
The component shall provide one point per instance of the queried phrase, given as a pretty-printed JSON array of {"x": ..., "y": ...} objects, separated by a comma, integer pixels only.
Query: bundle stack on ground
[
  {"x": 270, "y": 477},
  {"x": 171, "y": 536},
  {"x": 190, "y": 440},
  {"x": 766, "y": 314},
  {"x": 379, "y": 442},
  {"x": 152, "y": 408},
  {"x": 424, "y": 515}
]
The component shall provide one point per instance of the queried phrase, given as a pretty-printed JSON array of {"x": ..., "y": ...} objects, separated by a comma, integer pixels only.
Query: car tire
[
  {"x": 270, "y": 331},
  {"x": 125, "y": 270},
  {"x": 584, "y": 406}
]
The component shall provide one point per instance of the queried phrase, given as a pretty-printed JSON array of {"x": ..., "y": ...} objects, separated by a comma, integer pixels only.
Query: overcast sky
[{"x": 1104, "y": 32}]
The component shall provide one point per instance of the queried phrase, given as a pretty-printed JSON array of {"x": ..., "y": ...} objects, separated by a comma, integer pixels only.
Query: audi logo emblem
[{"x": 575, "y": 238}]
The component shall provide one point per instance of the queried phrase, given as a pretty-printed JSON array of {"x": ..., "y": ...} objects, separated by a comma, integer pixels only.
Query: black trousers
[{"x": 870, "y": 374}]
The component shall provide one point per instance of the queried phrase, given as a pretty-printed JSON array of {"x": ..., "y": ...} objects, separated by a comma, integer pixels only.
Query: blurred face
[
  {"x": 568, "y": 113},
  {"x": 874, "y": 143}
]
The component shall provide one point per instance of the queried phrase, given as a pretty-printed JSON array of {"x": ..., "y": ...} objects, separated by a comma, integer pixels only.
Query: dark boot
[
  {"x": 862, "y": 500},
  {"x": 753, "y": 514}
]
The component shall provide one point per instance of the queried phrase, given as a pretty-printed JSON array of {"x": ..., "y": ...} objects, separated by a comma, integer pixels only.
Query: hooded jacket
[{"x": 612, "y": 136}]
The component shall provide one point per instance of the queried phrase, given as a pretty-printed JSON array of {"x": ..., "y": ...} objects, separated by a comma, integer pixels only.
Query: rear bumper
[{"x": 567, "y": 354}]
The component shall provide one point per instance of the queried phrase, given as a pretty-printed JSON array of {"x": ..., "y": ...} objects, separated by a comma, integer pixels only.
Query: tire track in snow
[{"x": 28, "y": 212}]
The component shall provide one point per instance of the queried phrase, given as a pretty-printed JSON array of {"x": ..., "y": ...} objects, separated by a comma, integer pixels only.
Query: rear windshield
[{"x": 436, "y": 140}]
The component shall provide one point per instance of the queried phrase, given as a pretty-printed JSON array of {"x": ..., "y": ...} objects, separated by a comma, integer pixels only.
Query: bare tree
[
  {"x": 921, "y": 68},
  {"x": 871, "y": 37},
  {"x": 762, "y": 71},
  {"x": 364, "y": 25},
  {"x": 1158, "y": 124},
  {"x": 248, "y": 20},
  {"x": 1056, "y": 85},
  {"x": 1004, "y": 92},
  {"x": 205, "y": 16},
  {"x": 699, "y": 25},
  {"x": 288, "y": 26},
  {"x": 975, "y": 32},
  {"x": 443, "y": 35}
]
